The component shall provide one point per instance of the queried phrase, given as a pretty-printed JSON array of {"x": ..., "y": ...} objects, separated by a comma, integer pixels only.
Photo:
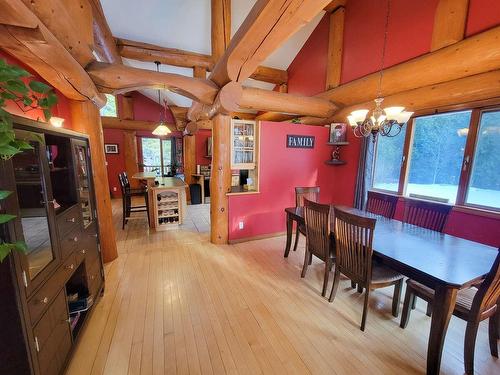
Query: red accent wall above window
[{"x": 483, "y": 15}]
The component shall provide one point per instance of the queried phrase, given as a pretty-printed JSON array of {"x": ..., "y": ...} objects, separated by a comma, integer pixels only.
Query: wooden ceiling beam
[
  {"x": 474, "y": 55},
  {"x": 41, "y": 50},
  {"x": 270, "y": 75},
  {"x": 221, "y": 27},
  {"x": 234, "y": 97},
  {"x": 117, "y": 79},
  {"x": 335, "y": 48},
  {"x": 266, "y": 27},
  {"x": 335, "y": 4},
  {"x": 104, "y": 43},
  {"x": 122, "y": 124},
  {"x": 449, "y": 23},
  {"x": 76, "y": 36},
  {"x": 170, "y": 56}
]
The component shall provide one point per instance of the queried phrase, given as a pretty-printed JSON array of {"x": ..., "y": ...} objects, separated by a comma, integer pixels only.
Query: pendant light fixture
[
  {"x": 161, "y": 129},
  {"x": 388, "y": 121}
]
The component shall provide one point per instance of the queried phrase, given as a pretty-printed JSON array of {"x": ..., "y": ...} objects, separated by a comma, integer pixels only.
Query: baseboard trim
[{"x": 255, "y": 238}]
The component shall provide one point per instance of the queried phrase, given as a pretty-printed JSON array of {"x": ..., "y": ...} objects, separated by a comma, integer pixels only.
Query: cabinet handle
[
  {"x": 72, "y": 220},
  {"x": 92, "y": 277},
  {"x": 37, "y": 345},
  {"x": 75, "y": 239},
  {"x": 45, "y": 300},
  {"x": 83, "y": 251},
  {"x": 70, "y": 267}
]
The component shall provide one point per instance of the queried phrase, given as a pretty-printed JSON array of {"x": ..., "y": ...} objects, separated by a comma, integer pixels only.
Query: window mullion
[
  {"x": 470, "y": 147},
  {"x": 403, "y": 176}
]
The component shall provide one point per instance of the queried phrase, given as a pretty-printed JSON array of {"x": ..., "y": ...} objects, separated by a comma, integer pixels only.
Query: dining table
[{"x": 440, "y": 261}]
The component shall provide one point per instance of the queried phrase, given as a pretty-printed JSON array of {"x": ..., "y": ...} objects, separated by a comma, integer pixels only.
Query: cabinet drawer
[
  {"x": 70, "y": 242},
  {"x": 69, "y": 220},
  {"x": 89, "y": 244},
  {"x": 53, "y": 337},
  {"x": 39, "y": 302}
]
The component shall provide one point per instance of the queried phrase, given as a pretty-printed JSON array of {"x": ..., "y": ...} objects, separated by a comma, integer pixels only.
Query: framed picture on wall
[
  {"x": 111, "y": 148},
  {"x": 338, "y": 132}
]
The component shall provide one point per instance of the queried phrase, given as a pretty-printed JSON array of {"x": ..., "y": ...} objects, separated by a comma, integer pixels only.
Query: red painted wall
[
  {"x": 281, "y": 169},
  {"x": 59, "y": 110},
  {"x": 409, "y": 36},
  {"x": 201, "y": 146},
  {"x": 115, "y": 162}
]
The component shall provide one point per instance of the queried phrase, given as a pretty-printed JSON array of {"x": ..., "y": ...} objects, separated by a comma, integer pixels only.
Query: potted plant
[{"x": 16, "y": 86}]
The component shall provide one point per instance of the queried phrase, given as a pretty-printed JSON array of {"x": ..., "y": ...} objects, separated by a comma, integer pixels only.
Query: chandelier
[
  {"x": 161, "y": 129},
  {"x": 388, "y": 121}
]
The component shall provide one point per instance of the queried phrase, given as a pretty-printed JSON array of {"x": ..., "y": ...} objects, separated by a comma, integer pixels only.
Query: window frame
[
  {"x": 467, "y": 161},
  {"x": 160, "y": 139}
]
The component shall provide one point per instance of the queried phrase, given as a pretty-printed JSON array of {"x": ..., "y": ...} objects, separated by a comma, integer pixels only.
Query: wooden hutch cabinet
[{"x": 47, "y": 293}]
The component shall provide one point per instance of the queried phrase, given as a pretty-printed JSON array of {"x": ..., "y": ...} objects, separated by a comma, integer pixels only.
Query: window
[
  {"x": 387, "y": 162},
  {"x": 110, "y": 109},
  {"x": 157, "y": 155},
  {"x": 484, "y": 185},
  {"x": 436, "y": 156},
  {"x": 450, "y": 157}
]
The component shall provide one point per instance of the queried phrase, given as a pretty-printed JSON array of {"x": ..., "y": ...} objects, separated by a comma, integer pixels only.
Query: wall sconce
[{"x": 56, "y": 122}]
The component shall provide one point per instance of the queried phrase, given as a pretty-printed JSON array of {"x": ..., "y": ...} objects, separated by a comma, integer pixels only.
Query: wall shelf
[{"x": 335, "y": 162}]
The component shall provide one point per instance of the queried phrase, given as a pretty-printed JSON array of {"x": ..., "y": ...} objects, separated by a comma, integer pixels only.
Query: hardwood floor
[{"x": 175, "y": 303}]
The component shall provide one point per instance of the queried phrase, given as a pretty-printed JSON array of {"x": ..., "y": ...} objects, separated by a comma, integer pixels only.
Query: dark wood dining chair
[
  {"x": 472, "y": 305},
  {"x": 354, "y": 239},
  {"x": 425, "y": 214},
  {"x": 381, "y": 204},
  {"x": 127, "y": 194},
  {"x": 318, "y": 239},
  {"x": 301, "y": 193}
]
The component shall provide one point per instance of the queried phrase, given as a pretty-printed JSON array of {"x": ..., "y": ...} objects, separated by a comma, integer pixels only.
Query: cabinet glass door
[
  {"x": 35, "y": 205},
  {"x": 83, "y": 181},
  {"x": 243, "y": 145}
]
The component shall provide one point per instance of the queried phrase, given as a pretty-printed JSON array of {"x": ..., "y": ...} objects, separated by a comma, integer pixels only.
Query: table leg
[
  {"x": 289, "y": 227},
  {"x": 443, "y": 305}
]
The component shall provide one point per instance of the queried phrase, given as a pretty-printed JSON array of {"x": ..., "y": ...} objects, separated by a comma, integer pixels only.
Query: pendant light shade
[{"x": 162, "y": 129}]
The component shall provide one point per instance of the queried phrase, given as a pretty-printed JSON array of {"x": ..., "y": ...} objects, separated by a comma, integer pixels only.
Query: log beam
[
  {"x": 234, "y": 96},
  {"x": 86, "y": 119},
  {"x": 170, "y": 56},
  {"x": 76, "y": 36},
  {"x": 220, "y": 180},
  {"x": 104, "y": 43},
  {"x": 221, "y": 27},
  {"x": 266, "y": 27},
  {"x": 449, "y": 23},
  {"x": 117, "y": 78},
  {"x": 271, "y": 75},
  {"x": 138, "y": 125},
  {"x": 335, "y": 4},
  {"x": 335, "y": 48},
  {"x": 43, "y": 52},
  {"x": 474, "y": 55},
  {"x": 130, "y": 154},
  {"x": 127, "y": 107}
]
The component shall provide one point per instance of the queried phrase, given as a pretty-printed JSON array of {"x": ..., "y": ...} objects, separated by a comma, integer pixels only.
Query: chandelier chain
[{"x": 384, "y": 47}]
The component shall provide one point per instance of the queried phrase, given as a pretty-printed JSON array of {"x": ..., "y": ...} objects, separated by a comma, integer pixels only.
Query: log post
[
  {"x": 335, "y": 48},
  {"x": 130, "y": 153},
  {"x": 220, "y": 182},
  {"x": 189, "y": 160},
  {"x": 86, "y": 119},
  {"x": 127, "y": 107}
]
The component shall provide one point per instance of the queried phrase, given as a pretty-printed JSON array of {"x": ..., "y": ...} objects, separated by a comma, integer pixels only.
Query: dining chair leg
[
  {"x": 353, "y": 285},
  {"x": 297, "y": 235},
  {"x": 428, "y": 312},
  {"x": 365, "y": 308},
  {"x": 396, "y": 298},
  {"x": 147, "y": 206},
  {"x": 306, "y": 263},
  {"x": 326, "y": 277},
  {"x": 335, "y": 286},
  {"x": 124, "y": 212},
  {"x": 310, "y": 259},
  {"x": 405, "y": 315},
  {"x": 493, "y": 334},
  {"x": 360, "y": 289},
  {"x": 469, "y": 346},
  {"x": 414, "y": 303}
]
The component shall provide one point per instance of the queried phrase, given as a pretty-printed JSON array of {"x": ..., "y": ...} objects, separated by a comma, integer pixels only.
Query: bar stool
[{"x": 127, "y": 194}]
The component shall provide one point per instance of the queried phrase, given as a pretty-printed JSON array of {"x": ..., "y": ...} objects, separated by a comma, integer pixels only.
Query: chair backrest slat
[
  {"x": 354, "y": 239},
  {"x": 317, "y": 218},
  {"x": 310, "y": 193},
  {"x": 424, "y": 214},
  {"x": 381, "y": 204},
  {"x": 489, "y": 290}
]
